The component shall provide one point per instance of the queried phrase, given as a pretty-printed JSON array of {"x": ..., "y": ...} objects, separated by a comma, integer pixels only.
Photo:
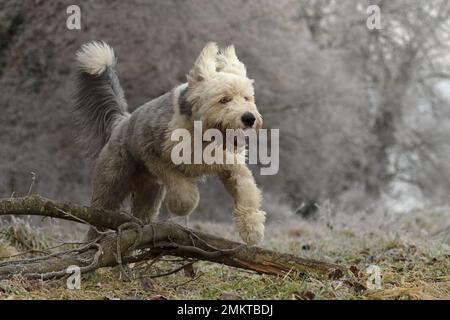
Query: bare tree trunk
[{"x": 393, "y": 90}]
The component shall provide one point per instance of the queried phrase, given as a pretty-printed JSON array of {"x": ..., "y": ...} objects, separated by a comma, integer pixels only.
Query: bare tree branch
[{"x": 156, "y": 240}]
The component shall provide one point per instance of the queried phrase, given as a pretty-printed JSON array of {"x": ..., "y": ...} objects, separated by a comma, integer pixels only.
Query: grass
[{"x": 411, "y": 249}]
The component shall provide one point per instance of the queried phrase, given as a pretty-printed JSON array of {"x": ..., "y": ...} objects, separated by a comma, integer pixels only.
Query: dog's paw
[{"x": 250, "y": 224}]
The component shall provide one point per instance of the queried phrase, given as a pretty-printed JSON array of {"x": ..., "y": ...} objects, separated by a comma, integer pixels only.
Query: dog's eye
[
  {"x": 225, "y": 100},
  {"x": 247, "y": 98}
]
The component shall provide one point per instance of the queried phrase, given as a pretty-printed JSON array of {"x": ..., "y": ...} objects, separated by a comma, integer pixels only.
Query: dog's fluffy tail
[{"x": 99, "y": 98}]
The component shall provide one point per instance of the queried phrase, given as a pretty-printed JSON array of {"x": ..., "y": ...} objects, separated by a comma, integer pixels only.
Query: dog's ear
[
  {"x": 227, "y": 61},
  {"x": 205, "y": 65}
]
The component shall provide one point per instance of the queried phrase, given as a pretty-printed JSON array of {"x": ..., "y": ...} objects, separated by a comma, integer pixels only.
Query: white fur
[
  {"x": 95, "y": 57},
  {"x": 227, "y": 61},
  {"x": 250, "y": 224},
  {"x": 205, "y": 65}
]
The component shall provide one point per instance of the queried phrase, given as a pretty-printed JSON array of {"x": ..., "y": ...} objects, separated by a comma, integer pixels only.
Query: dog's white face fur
[{"x": 220, "y": 91}]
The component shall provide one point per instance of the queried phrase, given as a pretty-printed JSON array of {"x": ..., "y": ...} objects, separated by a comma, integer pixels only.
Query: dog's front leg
[{"x": 248, "y": 216}]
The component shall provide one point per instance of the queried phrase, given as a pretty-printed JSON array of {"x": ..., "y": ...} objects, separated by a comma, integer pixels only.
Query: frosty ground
[{"x": 411, "y": 248}]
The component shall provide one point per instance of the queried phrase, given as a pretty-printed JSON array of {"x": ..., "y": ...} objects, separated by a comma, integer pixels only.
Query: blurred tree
[{"x": 394, "y": 63}]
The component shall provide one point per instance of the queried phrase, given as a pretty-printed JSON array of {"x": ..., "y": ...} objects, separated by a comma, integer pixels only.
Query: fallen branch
[{"x": 134, "y": 242}]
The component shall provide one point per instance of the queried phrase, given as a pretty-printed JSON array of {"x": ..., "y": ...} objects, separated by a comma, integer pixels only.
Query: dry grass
[{"x": 412, "y": 250}]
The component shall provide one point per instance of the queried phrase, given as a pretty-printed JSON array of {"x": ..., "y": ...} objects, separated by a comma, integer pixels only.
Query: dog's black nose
[{"x": 248, "y": 119}]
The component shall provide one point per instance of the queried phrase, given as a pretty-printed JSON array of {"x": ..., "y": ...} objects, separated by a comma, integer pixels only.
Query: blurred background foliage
[{"x": 364, "y": 115}]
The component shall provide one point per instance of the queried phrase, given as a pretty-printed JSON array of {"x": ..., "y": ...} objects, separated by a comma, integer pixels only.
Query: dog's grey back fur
[
  {"x": 147, "y": 127},
  {"x": 99, "y": 103}
]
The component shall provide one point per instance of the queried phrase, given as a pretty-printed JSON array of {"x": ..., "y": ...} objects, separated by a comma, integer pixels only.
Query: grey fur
[
  {"x": 147, "y": 126},
  {"x": 99, "y": 102},
  {"x": 185, "y": 106},
  {"x": 125, "y": 144}
]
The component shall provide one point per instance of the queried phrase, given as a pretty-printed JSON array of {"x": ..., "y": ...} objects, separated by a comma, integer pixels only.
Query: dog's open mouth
[
  {"x": 237, "y": 139},
  {"x": 233, "y": 138}
]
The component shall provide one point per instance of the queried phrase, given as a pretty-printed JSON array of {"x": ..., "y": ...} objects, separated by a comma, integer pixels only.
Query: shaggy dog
[{"x": 133, "y": 151}]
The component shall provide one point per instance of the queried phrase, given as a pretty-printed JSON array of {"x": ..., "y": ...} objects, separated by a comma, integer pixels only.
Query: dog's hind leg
[
  {"x": 147, "y": 196},
  {"x": 111, "y": 180},
  {"x": 182, "y": 194}
]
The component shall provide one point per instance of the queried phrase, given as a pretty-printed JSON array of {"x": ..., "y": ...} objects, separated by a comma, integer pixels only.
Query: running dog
[{"x": 133, "y": 150}]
